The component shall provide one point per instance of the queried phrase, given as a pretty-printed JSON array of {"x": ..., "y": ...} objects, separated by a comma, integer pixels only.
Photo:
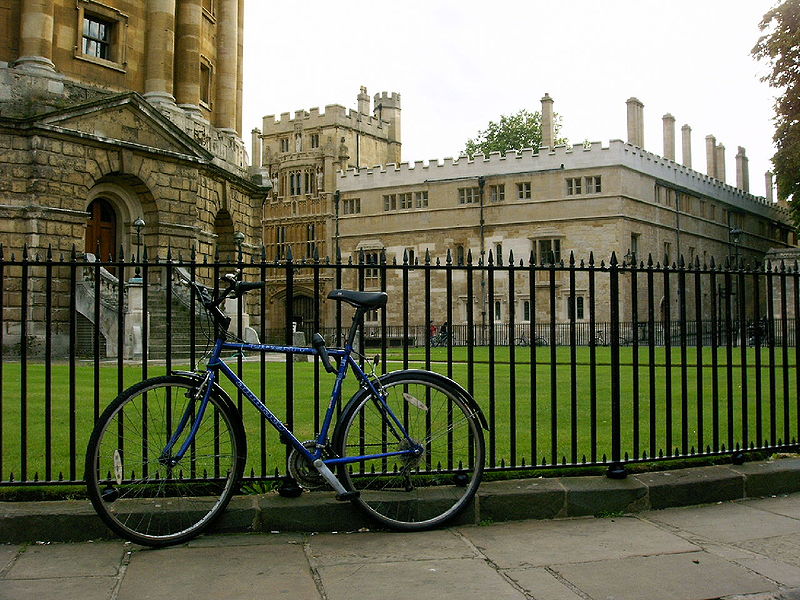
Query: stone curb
[{"x": 542, "y": 498}]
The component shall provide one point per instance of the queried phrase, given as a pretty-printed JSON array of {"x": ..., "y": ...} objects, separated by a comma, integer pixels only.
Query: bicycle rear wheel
[
  {"x": 135, "y": 487},
  {"x": 412, "y": 492}
]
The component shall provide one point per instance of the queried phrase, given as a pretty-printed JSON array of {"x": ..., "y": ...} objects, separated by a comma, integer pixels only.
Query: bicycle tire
[
  {"x": 131, "y": 487},
  {"x": 419, "y": 492}
]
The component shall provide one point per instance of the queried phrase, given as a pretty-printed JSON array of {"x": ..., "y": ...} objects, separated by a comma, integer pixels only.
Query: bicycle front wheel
[
  {"x": 137, "y": 486},
  {"x": 412, "y": 491}
]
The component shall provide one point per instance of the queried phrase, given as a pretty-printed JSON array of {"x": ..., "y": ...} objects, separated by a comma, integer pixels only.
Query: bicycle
[{"x": 167, "y": 455}]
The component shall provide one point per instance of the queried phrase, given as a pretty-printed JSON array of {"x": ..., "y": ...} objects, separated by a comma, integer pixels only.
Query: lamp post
[
  {"x": 735, "y": 237},
  {"x": 138, "y": 224},
  {"x": 238, "y": 239}
]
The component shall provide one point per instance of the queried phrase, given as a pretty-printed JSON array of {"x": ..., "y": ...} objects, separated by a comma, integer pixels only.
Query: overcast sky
[{"x": 458, "y": 65}]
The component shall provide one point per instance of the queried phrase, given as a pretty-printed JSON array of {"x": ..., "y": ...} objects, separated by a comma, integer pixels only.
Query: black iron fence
[{"x": 573, "y": 364}]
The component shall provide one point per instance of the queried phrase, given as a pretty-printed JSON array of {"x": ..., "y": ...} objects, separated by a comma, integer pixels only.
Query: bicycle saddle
[{"x": 360, "y": 299}]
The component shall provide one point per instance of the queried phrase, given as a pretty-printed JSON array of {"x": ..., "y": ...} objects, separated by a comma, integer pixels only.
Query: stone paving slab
[
  {"x": 783, "y": 548},
  {"x": 84, "y": 588},
  {"x": 542, "y": 583},
  {"x": 442, "y": 579},
  {"x": 789, "y": 506},
  {"x": 727, "y": 522},
  {"x": 685, "y": 576},
  {"x": 541, "y": 543},
  {"x": 66, "y": 560},
  {"x": 329, "y": 549},
  {"x": 273, "y": 569}
]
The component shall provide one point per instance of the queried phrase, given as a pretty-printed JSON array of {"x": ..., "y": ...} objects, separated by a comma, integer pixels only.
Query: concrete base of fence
[{"x": 543, "y": 498}]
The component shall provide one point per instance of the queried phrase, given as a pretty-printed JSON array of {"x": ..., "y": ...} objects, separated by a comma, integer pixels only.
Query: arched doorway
[
  {"x": 101, "y": 230},
  {"x": 303, "y": 308}
]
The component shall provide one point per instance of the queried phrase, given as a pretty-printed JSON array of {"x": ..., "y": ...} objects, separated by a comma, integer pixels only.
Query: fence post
[{"x": 616, "y": 470}]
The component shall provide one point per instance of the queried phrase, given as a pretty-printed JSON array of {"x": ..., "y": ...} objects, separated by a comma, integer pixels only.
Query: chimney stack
[
  {"x": 686, "y": 145},
  {"x": 669, "y": 136},
  {"x": 742, "y": 171},
  {"x": 768, "y": 186},
  {"x": 255, "y": 139},
  {"x": 711, "y": 156},
  {"x": 635, "y": 122},
  {"x": 720, "y": 162},
  {"x": 548, "y": 127}
]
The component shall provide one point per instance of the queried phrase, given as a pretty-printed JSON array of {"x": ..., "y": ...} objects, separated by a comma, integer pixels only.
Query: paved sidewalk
[{"x": 742, "y": 549}]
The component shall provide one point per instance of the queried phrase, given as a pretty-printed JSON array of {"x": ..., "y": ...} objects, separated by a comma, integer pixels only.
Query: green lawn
[{"x": 529, "y": 424}]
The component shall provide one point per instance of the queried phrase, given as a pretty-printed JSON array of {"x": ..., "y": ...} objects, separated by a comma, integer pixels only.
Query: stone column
[
  {"x": 720, "y": 162},
  {"x": 160, "y": 51},
  {"x": 227, "y": 65},
  {"x": 711, "y": 156},
  {"x": 548, "y": 126},
  {"x": 189, "y": 20},
  {"x": 240, "y": 67},
  {"x": 686, "y": 145},
  {"x": 768, "y": 187},
  {"x": 36, "y": 35},
  {"x": 742, "y": 171},
  {"x": 635, "y": 122},
  {"x": 669, "y": 136}
]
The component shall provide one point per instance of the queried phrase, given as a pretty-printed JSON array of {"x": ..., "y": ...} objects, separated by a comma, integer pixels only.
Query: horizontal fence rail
[{"x": 572, "y": 363}]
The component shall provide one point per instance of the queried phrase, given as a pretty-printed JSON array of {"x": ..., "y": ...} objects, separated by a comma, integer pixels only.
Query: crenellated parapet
[
  {"x": 334, "y": 115},
  {"x": 560, "y": 158}
]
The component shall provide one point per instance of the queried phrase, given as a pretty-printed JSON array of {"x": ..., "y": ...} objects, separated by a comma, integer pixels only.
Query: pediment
[{"x": 127, "y": 120}]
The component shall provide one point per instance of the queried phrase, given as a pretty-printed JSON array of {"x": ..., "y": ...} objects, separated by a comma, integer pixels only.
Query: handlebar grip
[{"x": 318, "y": 343}]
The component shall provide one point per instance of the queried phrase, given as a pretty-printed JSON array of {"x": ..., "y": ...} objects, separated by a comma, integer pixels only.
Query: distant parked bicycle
[
  {"x": 167, "y": 454},
  {"x": 599, "y": 338}
]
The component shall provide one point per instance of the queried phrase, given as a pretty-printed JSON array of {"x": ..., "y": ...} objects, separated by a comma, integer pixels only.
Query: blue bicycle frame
[{"x": 217, "y": 364}]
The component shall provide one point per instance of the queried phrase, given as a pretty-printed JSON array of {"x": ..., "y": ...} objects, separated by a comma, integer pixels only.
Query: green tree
[
  {"x": 513, "y": 132},
  {"x": 779, "y": 47}
]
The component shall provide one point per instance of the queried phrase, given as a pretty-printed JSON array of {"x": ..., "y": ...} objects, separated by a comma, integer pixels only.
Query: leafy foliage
[
  {"x": 779, "y": 46},
  {"x": 513, "y": 132}
]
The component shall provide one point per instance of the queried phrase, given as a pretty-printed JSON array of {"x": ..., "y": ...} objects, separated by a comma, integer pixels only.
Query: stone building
[
  {"x": 118, "y": 110},
  {"x": 547, "y": 204},
  {"x": 302, "y": 155}
]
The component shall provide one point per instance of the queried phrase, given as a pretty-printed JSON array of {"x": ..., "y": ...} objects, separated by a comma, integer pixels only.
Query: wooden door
[{"x": 101, "y": 230}]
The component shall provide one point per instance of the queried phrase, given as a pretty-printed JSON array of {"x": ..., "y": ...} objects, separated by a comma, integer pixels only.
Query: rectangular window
[
  {"x": 390, "y": 202},
  {"x": 593, "y": 185},
  {"x": 205, "y": 83},
  {"x": 280, "y": 242},
  {"x": 497, "y": 193},
  {"x": 498, "y": 311},
  {"x": 524, "y": 190},
  {"x": 547, "y": 251},
  {"x": 421, "y": 199},
  {"x": 351, "y": 206},
  {"x": 295, "y": 183},
  {"x": 284, "y": 144},
  {"x": 470, "y": 195},
  {"x": 404, "y": 200},
  {"x": 634, "y": 247},
  {"x": 97, "y": 37},
  {"x": 373, "y": 316},
  {"x": 575, "y": 308},
  {"x": 315, "y": 140},
  {"x": 311, "y": 240},
  {"x": 667, "y": 251},
  {"x": 573, "y": 186},
  {"x": 409, "y": 255},
  {"x": 526, "y": 310},
  {"x": 372, "y": 273},
  {"x": 308, "y": 182}
]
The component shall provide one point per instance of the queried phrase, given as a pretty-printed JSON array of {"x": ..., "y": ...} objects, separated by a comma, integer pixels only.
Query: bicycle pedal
[{"x": 348, "y": 496}]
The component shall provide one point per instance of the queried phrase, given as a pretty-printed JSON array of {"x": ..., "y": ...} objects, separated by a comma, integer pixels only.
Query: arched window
[{"x": 101, "y": 230}]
